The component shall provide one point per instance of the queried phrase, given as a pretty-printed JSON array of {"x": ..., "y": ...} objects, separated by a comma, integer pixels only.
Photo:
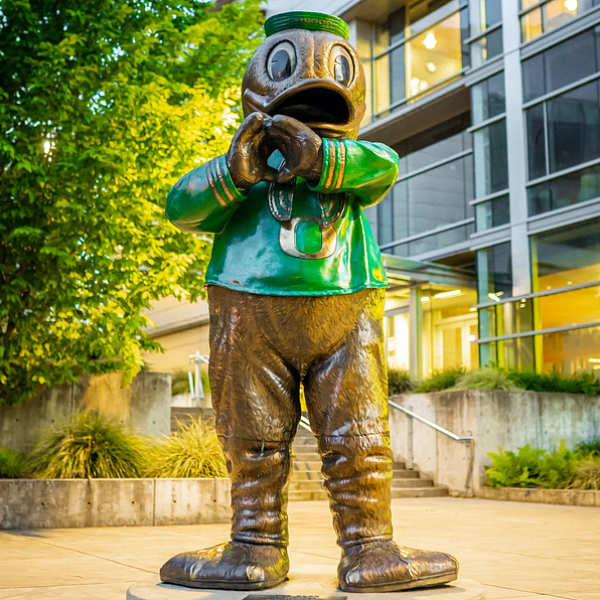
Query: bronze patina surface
[{"x": 288, "y": 309}]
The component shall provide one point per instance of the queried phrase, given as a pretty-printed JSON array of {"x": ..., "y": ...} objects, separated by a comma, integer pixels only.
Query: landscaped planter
[
  {"x": 496, "y": 419},
  {"x": 569, "y": 497},
  {"x": 48, "y": 503}
]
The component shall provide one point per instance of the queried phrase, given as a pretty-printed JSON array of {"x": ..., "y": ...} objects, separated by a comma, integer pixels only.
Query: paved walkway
[{"x": 520, "y": 551}]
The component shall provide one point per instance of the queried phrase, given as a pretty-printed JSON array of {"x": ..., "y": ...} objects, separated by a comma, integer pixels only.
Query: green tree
[{"x": 103, "y": 105}]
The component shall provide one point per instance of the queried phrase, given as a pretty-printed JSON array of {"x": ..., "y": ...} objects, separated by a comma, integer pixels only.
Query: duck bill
[{"x": 321, "y": 104}]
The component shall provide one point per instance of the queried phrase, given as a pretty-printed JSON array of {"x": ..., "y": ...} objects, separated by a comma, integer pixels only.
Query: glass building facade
[{"x": 494, "y": 109}]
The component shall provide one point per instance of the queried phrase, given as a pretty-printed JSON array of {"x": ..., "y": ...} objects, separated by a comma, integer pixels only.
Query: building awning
[{"x": 406, "y": 273}]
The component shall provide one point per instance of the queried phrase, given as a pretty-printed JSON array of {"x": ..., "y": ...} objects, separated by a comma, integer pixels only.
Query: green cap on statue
[{"x": 312, "y": 21}]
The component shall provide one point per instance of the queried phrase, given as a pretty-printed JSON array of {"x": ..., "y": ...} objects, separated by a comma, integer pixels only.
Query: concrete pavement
[{"x": 517, "y": 551}]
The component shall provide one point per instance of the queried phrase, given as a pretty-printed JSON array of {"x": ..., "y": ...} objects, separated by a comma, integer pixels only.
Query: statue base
[{"x": 305, "y": 583}]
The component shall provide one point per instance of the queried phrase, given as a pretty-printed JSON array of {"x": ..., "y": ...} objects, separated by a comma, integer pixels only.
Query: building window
[
  {"x": 486, "y": 32},
  {"x": 562, "y": 133},
  {"x": 570, "y": 351},
  {"x": 492, "y": 213},
  {"x": 557, "y": 326},
  {"x": 494, "y": 273},
  {"x": 429, "y": 206},
  {"x": 540, "y": 17},
  {"x": 418, "y": 50},
  {"x": 491, "y": 161},
  {"x": 448, "y": 329},
  {"x": 487, "y": 99},
  {"x": 562, "y": 65},
  {"x": 396, "y": 326},
  {"x": 488, "y": 107},
  {"x": 567, "y": 256}
]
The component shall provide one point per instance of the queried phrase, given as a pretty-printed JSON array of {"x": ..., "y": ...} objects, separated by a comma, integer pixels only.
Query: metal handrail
[
  {"x": 467, "y": 439},
  {"x": 430, "y": 424}
]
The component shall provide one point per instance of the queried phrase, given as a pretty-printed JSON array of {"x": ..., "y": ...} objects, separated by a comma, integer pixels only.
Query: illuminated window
[
  {"x": 418, "y": 51},
  {"x": 550, "y": 14},
  {"x": 566, "y": 256},
  {"x": 397, "y": 347},
  {"x": 449, "y": 329},
  {"x": 487, "y": 32},
  {"x": 433, "y": 56}
]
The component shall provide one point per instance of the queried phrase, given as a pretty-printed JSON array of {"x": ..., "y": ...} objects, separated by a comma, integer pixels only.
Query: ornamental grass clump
[
  {"x": 89, "y": 446},
  {"x": 193, "y": 451},
  {"x": 399, "y": 382},
  {"x": 587, "y": 473},
  {"x": 12, "y": 465},
  {"x": 487, "y": 378},
  {"x": 440, "y": 380},
  {"x": 578, "y": 383}
]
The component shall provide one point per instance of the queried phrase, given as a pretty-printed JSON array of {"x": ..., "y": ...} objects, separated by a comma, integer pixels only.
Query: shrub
[
  {"x": 194, "y": 451},
  {"x": 12, "y": 465},
  {"x": 399, "y": 382},
  {"x": 180, "y": 382},
  {"x": 440, "y": 380},
  {"x": 587, "y": 473},
  {"x": 487, "y": 378},
  {"x": 532, "y": 467},
  {"x": 90, "y": 445},
  {"x": 587, "y": 448},
  {"x": 579, "y": 383}
]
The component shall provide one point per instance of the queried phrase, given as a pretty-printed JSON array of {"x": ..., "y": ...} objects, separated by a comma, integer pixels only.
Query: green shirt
[{"x": 291, "y": 239}]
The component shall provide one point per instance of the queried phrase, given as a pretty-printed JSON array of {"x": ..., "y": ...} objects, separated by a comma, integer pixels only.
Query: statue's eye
[
  {"x": 342, "y": 65},
  {"x": 282, "y": 61}
]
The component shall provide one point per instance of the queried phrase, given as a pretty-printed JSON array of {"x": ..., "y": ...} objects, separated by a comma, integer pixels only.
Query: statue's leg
[
  {"x": 346, "y": 396},
  {"x": 256, "y": 400}
]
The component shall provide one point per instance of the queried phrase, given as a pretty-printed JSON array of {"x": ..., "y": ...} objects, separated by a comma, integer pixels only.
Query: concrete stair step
[
  {"x": 307, "y": 465},
  {"x": 304, "y": 433},
  {"x": 310, "y": 475},
  {"x": 307, "y": 456},
  {"x": 412, "y": 483},
  {"x": 426, "y": 492},
  {"x": 406, "y": 474},
  {"x": 400, "y": 466},
  {"x": 432, "y": 492},
  {"x": 295, "y": 495},
  {"x": 305, "y": 441},
  {"x": 305, "y": 449},
  {"x": 306, "y": 485}
]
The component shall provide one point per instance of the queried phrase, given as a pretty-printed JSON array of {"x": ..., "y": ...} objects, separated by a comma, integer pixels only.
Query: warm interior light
[
  {"x": 472, "y": 309},
  {"x": 414, "y": 85},
  {"x": 431, "y": 67},
  {"x": 571, "y": 5},
  {"x": 429, "y": 42},
  {"x": 594, "y": 360},
  {"x": 472, "y": 338},
  {"x": 425, "y": 299},
  {"x": 494, "y": 297},
  {"x": 449, "y": 294}
]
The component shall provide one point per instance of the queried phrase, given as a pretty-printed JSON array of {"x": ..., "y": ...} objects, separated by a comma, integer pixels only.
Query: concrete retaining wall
[
  {"x": 568, "y": 497},
  {"x": 496, "y": 419},
  {"x": 145, "y": 406},
  {"x": 49, "y": 503}
]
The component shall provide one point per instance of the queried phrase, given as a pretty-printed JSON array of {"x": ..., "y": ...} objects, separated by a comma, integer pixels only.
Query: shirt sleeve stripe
[{"x": 213, "y": 185}]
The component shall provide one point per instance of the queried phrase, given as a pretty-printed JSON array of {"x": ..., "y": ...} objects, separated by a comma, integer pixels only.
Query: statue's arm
[
  {"x": 366, "y": 169},
  {"x": 205, "y": 199}
]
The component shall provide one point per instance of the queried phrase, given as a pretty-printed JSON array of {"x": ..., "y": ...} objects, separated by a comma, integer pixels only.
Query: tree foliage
[{"x": 103, "y": 106}]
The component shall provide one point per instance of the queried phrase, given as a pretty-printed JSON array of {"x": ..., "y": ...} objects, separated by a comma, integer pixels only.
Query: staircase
[{"x": 307, "y": 482}]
